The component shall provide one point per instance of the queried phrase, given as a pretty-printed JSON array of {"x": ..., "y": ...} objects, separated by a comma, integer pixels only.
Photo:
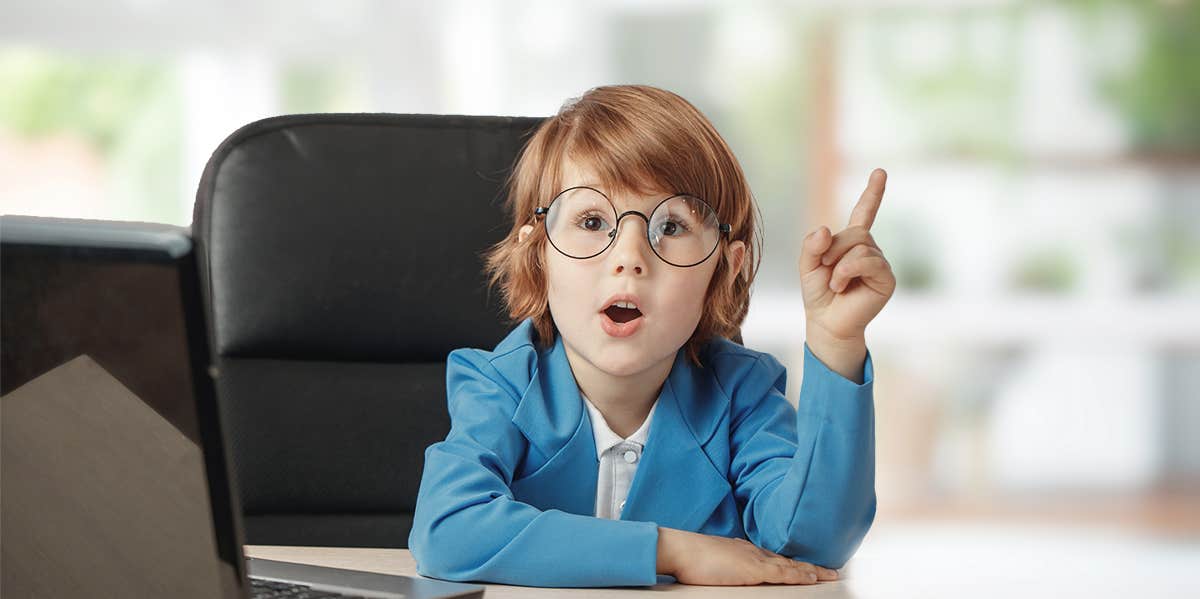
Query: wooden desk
[
  {"x": 925, "y": 559},
  {"x": 400, "y": 561}
]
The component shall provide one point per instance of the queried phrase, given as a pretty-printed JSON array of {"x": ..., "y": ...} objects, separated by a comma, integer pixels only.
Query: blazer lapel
[
  {"x": 676, "y": 484},
  {"x": 551, "y": 416}
]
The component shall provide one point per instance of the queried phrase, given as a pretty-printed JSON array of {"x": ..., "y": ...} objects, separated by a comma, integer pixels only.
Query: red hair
[{"x": 636, "y": 139}]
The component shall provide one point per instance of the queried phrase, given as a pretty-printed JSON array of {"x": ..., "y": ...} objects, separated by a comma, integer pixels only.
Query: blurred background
[{"x": 1038, "y": 368}]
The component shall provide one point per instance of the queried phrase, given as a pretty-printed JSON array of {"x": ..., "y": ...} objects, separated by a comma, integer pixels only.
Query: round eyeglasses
[{"x": 581, "y": 222}]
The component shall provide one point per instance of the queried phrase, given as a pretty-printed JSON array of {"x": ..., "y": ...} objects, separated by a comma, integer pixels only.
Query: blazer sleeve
[
  {"x": 805, "y": 477},
  {"x": 467, "y": 525}
]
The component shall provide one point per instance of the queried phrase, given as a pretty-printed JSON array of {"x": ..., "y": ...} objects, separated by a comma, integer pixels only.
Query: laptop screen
[{"x": 113, "y": 468}]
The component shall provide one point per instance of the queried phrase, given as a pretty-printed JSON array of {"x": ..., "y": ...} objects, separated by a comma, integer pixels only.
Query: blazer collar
[{"x": 676, "y": 485}]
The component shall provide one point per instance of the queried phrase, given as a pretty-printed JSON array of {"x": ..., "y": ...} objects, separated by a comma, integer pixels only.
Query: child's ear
[
  {"x": 525, "y": 231},
  {"x": 735, "y": 254}
]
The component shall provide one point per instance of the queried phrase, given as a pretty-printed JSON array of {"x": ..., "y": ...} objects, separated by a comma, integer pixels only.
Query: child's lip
[
  {"x": 619, "y": 329},
  {"x": 623, "y": 297}
]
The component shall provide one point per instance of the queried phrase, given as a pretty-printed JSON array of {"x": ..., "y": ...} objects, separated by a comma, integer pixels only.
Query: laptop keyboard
[{"x": 261, "y": 588}]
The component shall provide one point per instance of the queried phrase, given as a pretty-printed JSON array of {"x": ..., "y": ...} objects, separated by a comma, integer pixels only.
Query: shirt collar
[{"x": 605, "y": 437}]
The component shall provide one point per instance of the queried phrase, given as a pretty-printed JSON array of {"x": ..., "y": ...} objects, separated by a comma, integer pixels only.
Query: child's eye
[
  {"x": 591, "y": 222},
  {"x": 672, "y": 228}
]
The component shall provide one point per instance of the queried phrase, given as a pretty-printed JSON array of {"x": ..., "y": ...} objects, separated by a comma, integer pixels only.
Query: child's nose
[{"x": 631, "y": 248}]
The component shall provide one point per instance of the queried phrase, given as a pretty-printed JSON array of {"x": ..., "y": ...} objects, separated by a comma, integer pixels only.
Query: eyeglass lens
[{"x": 683, "y": 230}]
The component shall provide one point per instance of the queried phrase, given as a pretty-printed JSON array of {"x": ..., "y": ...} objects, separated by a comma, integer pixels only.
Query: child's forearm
[
  {"x": 668, "y": 549},
  {"x": 843, "y": 356}
]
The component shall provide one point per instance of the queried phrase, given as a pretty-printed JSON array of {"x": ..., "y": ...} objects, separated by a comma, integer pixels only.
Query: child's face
[{"x": 670, "y": 298}]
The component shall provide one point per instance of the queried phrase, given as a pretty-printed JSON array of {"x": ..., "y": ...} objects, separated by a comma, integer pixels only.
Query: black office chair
[{"x": 340, "y": 258}]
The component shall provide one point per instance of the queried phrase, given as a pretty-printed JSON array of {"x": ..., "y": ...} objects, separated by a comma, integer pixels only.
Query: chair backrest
[{"x": 340, "y": 258}]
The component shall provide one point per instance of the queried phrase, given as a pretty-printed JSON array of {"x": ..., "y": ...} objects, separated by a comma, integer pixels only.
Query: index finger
[{"x": 868, "y": 203}]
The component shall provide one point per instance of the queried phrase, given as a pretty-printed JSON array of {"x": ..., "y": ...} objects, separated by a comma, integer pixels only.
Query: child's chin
[{"x": 624, "y": 364}]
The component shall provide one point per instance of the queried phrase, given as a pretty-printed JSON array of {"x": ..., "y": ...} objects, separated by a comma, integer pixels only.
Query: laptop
[{"x": 114, "y": 472}]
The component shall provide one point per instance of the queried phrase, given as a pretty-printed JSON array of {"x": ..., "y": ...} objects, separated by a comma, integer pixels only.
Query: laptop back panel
[{"x": 114, "y": 474}]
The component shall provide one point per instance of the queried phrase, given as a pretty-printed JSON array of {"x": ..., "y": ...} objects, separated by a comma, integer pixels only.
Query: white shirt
[{"x": 618, "y": 461}]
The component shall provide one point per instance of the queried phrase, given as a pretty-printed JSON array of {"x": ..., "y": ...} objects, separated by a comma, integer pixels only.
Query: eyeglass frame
[{"x": 539, "y": 212}]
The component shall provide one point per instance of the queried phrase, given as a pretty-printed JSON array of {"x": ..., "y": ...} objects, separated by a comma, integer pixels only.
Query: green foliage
[
  {"x": 1053, "y": 269},
  {"x": 96, "y": 99},
  {"x": 128, "y": 111},
  {"x": 310, "y": 87},
  {"x": 1158, "y": 92},
  {"x": 963, "y": 101}
]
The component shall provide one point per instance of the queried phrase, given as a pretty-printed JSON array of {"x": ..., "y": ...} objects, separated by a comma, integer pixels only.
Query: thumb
[{"x": 815, "y": 245}]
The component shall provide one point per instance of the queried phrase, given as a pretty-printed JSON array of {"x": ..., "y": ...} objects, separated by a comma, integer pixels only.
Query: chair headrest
[{"x": 355, "y": 236}]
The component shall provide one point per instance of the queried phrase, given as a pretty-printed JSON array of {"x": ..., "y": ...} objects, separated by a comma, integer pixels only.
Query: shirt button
[{"x": 630, "y": 456}]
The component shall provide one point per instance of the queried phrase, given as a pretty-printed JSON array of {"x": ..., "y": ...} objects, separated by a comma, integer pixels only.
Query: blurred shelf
[
  {"x": 776, "y": 319},
  {"x": 1033, "y": 160},
  {"x": 1167, "y": 514}
]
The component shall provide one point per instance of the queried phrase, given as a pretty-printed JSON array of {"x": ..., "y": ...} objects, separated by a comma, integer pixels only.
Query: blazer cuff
[
  {"x": 629, "y": 557},
  {"x": 831, "y": 396}
]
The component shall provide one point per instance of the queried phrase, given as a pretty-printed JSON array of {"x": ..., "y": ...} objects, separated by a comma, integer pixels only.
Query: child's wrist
[
  {"x": 667, "y": 549},
  {"x": 845, "y": 356}
]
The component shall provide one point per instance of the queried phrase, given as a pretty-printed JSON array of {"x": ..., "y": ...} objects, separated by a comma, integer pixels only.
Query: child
[{"x": 617, "y": 433}]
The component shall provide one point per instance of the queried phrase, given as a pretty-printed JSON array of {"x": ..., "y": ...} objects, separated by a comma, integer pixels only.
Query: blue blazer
[{"x": 510, "y": 495}]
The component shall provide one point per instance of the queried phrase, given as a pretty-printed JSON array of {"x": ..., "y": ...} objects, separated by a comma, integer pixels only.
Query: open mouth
[
  {"x": 622, "y": 315},
  {"x": 622, "y": 318}
]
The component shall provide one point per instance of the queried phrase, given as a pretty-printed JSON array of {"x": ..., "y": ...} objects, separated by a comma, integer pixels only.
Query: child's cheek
[
  {"x": 685, "y": 296},
  {"x": 568, "y": 287}
]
